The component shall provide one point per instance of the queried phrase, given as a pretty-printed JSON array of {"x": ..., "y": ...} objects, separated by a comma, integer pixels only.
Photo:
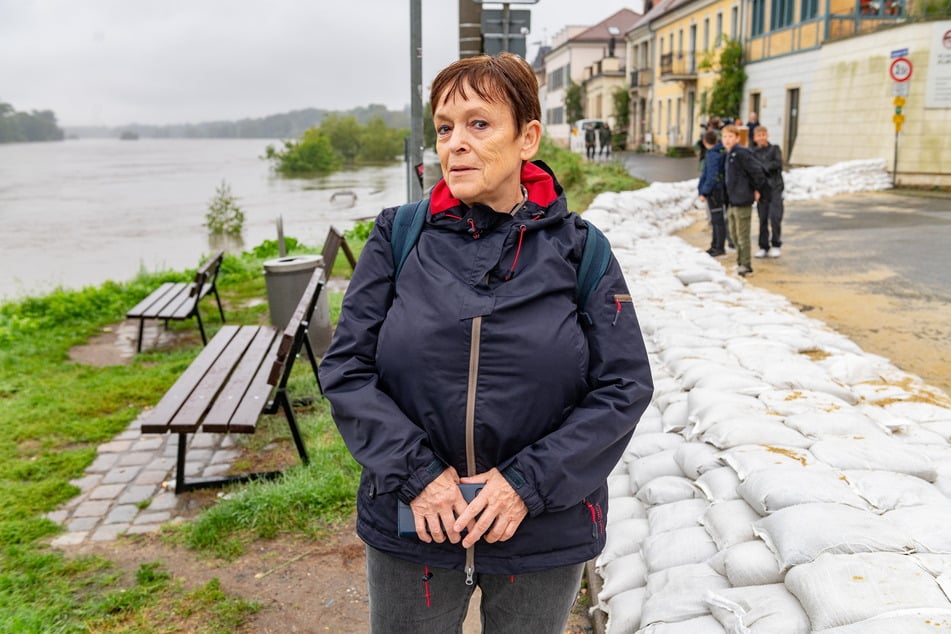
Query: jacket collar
[{"x": 537, "y": 178}]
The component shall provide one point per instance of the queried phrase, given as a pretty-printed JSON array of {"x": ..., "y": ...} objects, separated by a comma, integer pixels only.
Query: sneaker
[
  {"x": 715, "y": 253},
  {"x": 773, "y": 252},
  {"x": 743, "y": 271},
  {"x": 760, "y": 254}
]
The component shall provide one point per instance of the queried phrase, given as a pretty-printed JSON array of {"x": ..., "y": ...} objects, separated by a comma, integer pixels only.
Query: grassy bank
[{"x": 56, "y": 412}]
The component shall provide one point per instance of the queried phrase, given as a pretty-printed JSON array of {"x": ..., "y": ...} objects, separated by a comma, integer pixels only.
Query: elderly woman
[{"x": 470, "y": 365}]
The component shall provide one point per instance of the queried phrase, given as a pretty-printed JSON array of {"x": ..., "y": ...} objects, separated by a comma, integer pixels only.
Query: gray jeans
[{"x": 408, "y": 597}]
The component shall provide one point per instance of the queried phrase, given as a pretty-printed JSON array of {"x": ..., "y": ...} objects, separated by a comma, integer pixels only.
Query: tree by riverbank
[{"x": 19, "y": 127}]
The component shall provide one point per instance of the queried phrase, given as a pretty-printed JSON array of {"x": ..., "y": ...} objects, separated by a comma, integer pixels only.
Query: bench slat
[
  {"x": 218, "y": 418},
  {"x": 157, "y": 421},
  {"x": 186, "y": 305},
  {"x": 165, "y": 306},
  {"x": 245, "y": 418},
  {"x": 189, "y": 416},
  {"x": 159, "y": 296}
]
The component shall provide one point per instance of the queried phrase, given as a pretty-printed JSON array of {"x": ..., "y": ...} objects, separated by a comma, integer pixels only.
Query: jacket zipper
[{"x": 474, "y": 348}]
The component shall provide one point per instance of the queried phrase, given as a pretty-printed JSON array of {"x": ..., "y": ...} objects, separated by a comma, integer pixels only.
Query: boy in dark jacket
[
  {"x": 710, "y": 187},
  {"x": 745, "y": 180},
  {"x": 770, "y": 206}
]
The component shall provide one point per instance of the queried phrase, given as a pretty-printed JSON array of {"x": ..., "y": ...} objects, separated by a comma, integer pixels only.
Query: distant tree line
[
  {"x": 287, "y": 125},
  {"x": 17, "y": 127},
  {"x": 338, "y": 140}
]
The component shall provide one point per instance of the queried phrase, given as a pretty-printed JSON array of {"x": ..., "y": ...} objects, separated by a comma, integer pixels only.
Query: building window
[
  {"x": 719, "y": 37},
  {"x": 810, "y": 9},
  {"x": 735, "y": 23},
  {"x": 706, "y": 34},
  {"x": 758, "y": 25},
  {"x": 558, "y": 78},
  {"x": 781, "y": 14},
  {"x": 556, "y": 116},
  {"x": 680, "y": 43}
]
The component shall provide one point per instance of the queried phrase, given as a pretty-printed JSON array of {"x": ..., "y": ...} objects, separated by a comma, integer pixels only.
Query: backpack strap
[
  {"x": 407, "y": 225},
  {"x": 594, "y": 263}
]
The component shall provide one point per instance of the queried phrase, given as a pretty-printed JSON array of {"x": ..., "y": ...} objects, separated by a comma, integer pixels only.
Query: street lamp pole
[{"x": 414, "y": 154}]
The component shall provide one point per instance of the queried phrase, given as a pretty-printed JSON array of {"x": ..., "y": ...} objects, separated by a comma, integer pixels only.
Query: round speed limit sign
[{"x": 900, "y": 69}]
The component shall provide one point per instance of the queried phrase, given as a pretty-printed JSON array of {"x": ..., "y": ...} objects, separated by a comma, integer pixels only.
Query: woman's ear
[{"x": 531, "y": 139}]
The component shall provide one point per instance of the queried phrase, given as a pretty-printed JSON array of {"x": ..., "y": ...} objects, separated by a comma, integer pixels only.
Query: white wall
[{"x": 847, "y": 106}]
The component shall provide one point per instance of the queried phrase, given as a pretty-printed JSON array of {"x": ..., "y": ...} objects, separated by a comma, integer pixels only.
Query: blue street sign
[{"x": 902, "y": 52}]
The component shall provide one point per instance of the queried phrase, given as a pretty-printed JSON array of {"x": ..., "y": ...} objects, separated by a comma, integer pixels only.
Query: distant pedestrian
[
  {"x": 710, "y": 188},
  {"x": 770, "y": 205},
  {"x": 745, "y": 179},
  {"x": 752, "y": 124},
  {"x": 604, "y": 136},
  {"x": 590, "y": 138}
]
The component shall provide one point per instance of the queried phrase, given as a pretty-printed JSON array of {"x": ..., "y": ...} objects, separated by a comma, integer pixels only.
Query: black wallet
[{"x": 406, "y": 524}]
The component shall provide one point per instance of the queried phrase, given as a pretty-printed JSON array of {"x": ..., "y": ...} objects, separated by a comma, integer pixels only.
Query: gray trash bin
[{"x": 285, "y": 279}]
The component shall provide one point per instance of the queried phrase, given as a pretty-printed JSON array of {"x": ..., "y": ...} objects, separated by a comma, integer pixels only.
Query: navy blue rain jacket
[
  {"x": 556, "y": 403},
  {"x": 710, "y": 183}
]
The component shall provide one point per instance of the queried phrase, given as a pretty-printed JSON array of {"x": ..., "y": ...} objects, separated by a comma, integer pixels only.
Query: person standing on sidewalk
[
  {"x": 770, "y": 205},
  {"x": 710, "y": 188},
  {"x": 471, "y": 362},
  {"x": 604, "y": 137},
  {"x": 745, "y": 179},
  {"x": 590, "y": 141}
]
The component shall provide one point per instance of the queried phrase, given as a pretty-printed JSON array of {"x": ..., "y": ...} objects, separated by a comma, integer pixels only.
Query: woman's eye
[
  {"x": 480, "y": 125},
  {"x": 442, "y": 130}
]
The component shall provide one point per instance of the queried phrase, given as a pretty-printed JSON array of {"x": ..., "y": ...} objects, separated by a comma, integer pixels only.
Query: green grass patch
[{"x": 583, "y": 180}]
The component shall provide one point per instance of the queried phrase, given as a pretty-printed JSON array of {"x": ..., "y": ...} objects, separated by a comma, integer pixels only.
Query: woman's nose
[{"x": 458, "y": 139}]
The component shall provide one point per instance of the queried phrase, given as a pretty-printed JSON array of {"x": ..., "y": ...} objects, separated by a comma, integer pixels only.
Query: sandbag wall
[{"x": 782, "y": 480}]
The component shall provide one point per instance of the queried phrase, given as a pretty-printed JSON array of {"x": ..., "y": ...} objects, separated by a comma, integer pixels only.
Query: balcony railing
[
  {"x": 641, "y": 78},
  {"x": 679, "y": 66}
]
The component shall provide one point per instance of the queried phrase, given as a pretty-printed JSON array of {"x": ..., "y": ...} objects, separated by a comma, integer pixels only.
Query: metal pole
[
  {"x": 895, "y": 162},
  {"x": 505, "y": 27},
  {"x": 470, "y": 29},
  {"x": 415, "y": 154}
]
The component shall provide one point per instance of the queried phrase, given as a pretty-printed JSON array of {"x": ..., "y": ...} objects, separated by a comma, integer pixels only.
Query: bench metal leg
[
  {"x": 138, "y": 347},
  {"x": 182, "y": 486},
  {"x": 220, "y": 309},
  {"x": 292, "y": 423},
  {"x": 201, "y": 328}
]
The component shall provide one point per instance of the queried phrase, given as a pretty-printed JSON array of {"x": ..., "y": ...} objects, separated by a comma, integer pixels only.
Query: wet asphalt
[{"x": 906, "y": 231}]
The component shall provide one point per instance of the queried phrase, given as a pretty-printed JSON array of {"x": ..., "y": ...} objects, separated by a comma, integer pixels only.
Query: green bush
[{"x": 312, "y": 154}]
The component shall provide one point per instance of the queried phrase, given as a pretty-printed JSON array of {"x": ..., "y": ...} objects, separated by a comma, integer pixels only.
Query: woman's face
[{"x": 481, "y": 151}]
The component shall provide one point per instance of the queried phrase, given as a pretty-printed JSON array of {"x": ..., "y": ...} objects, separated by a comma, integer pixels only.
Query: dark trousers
[
  {"x": 406, "y": 597},
  {"x": 718, "y": 225},
  {"x": 770, "y": 210}
]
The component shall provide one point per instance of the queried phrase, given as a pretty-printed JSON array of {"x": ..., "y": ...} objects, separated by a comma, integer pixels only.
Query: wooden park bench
[
  {"x": 179, "y": 301},
  {"x": 241, "y": 374}
]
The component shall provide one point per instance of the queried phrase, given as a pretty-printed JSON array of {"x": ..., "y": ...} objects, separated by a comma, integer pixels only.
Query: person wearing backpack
[{"x": 484, "y": 348}]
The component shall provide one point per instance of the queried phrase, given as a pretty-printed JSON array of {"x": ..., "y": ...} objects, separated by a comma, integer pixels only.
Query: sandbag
[
  {"x": 625, "y": 508},
  {"x": 929, "y": 526},
  {"x": 677, "y": 548},
  {"x": 754, "y": 430},
  {"x": 653, "y": 466},
  {"x": 729, "y": 523},
  {"x": 769, "y": 490},
  {"x": 747, "y": 459},
  {"x": 675, "y": 515},
  {"x": 696, "y": 458},
  {"x": 642, "y": 445},
  {"x": 847, "y": 422},
  {"x": 698, "y": 625},
  {"x": 622, "y": 574},
  {"x": 719, "y": 484},
  {"x": 883, "y": 453},
  {"x": 838, "y": 590},
  {"x": 666, "y": 489},
  {"x": 887, "y": 490},
  {"x": 798, "y": 534},
  {"x": 748, "y": 564},
  {"x": 624, "y": 538},
  {"x": 624, "y": 611},
  {"x": 764, "y": 609},
  {"x": 901, "y": 622},
  {"x": 676, "y": 594}
]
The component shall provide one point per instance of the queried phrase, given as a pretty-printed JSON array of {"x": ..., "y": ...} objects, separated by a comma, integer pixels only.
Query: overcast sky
[{"x": 113, "y": 62}]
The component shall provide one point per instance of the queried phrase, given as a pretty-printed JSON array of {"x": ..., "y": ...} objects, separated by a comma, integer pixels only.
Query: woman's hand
[
  {"x": 437, "y": 506},
  {"x": 497, "y": 506}
]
